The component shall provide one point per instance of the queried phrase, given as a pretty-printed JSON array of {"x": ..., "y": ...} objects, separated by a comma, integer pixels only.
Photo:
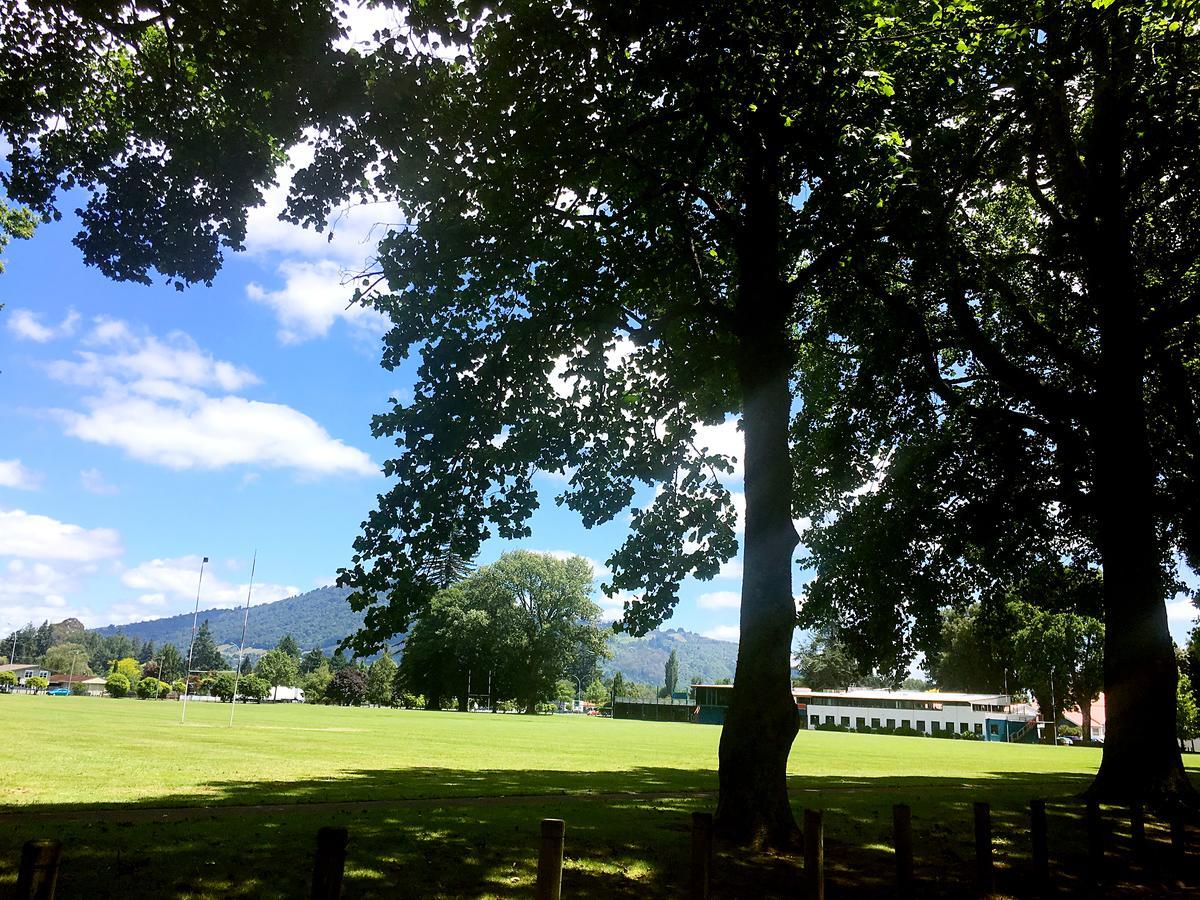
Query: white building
[
  {"x": 990, "y": 717},
  {"x": 25, "y": 671}
]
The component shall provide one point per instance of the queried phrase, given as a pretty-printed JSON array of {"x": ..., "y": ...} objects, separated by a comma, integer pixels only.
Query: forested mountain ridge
[
  {"x": 322, "y": 618},
  {"x": 319, "y": 618},
  {"x": 644, "y": 659}
]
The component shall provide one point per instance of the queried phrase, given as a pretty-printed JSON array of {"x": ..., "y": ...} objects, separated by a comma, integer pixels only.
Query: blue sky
[{"x": 145, "y": 428}]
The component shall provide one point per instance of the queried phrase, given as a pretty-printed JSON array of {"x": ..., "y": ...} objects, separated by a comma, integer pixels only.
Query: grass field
[{"x": 447, "y": 804}]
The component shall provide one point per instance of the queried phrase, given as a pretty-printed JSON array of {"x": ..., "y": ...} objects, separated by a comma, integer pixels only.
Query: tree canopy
[{"x": 515, "y": 628}]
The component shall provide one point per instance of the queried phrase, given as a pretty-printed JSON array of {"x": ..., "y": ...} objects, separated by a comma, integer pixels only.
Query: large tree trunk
[
  {"x": 762, "y": 721},
  {"x": 1141, "y": 757}
]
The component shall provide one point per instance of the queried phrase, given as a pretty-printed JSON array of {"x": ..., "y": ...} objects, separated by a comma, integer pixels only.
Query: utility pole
[{"x": 187, "y": 675}]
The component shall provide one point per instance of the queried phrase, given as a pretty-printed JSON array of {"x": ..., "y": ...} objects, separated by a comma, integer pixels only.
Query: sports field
[{"x": 447, "y": 804}]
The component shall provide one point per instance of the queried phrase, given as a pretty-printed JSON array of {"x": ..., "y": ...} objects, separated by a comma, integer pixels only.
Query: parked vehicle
[{"x": 59, "y": 692}]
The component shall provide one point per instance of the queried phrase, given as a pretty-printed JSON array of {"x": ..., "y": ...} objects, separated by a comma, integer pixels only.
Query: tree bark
[
  {"x": 1141, "y": 761},
  {"x": 762, "y": 721}
]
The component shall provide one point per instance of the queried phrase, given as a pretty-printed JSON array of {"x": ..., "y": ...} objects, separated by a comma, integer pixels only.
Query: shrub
[
  {"x": 251, "y": 687},
  {"x": 37, "y": 684},
  {"x": 8, "y": 681},
  {"x": 117, "y": 685},
  {"x": 831, "y": 726},
  {"x": 150, "y": 688},
  {"x": 411, "y": 701},
  {"x": 178, "y": 685},
  {"x": 347, "y": 687}
]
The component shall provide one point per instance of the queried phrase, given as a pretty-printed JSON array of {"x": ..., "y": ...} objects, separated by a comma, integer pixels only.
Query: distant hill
[
  {"x": 322, "y": 618},
  {"x": 645, "y": 658}
]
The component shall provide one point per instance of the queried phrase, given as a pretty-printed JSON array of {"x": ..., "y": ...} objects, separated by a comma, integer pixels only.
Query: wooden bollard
[
  {"x": 1178, "y": 836},
  {"x": 1095, "y": 840},
  {"x": 1041, "y": 849},
  {"x": 330, "y": 864},
  {"x": 902, "y": 838},
  {"x": 39, "y": 870},
  {"x": 985, "y": 879},
  {"x": 814, "y": 854},
  {"x": 1137, "y": 830},
  {"x": 702, "y": 851},
  {"x": 550, "y": 860}
]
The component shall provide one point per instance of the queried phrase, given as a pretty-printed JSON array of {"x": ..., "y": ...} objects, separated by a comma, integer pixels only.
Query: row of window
[
  {"x": 878, "y": 703},
  {"x": 861, "y": 722}
]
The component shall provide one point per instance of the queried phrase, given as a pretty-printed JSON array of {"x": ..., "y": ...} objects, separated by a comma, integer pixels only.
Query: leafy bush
[
  {"x": 37, "y": 684},
  {"x": 178, "y": 685},
  {"x": 221, "y": 686},
  {"x": 78, "y": 690},
  {"x": 831, "y": 726},
  {"x": 347, "y": 687},
  {"x": 117, "y": 685},
  {"x": 411, "y": 701},
  {"x": 8, "y": 681},
  {"x": 251, "y": 687},
  {"x": 150, "y": 688}
]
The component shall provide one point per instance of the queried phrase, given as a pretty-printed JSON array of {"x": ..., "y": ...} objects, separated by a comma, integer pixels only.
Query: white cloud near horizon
[
  {"x": 172, "y": 583},
  {"x": 27, "y": 325},
  {"x": 167, "y": 402},
  {"x": 46, "y": 559},
  {"x": 723, "y": 633},
  {"x": 15, "y": 474}
]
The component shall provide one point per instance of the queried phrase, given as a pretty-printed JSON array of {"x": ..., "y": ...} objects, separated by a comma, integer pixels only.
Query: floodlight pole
[
  {"x": 237, "y": 673},
  {"x": 187, "y": 675}
]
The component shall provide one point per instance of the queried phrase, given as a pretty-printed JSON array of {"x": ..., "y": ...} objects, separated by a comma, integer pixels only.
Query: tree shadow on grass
[{"x": 422, "y": 843}]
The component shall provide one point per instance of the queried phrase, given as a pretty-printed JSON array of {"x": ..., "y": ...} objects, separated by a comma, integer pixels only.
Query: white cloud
[
  {"x": 164, "y": 368},
  {"x": 313, "y": 297},
  {"x": 1182, "y": 609},
  {"x": 32, "y": 536},
  {"x": 32, "y": 591},
  {"x": 613, "y": 608},
  {"x": 723, "y": 633},
  {"x": 14, "y": 474},
  {"x": 731, "y": 569},
  {"x": 719, "y": 600},
  {"x": 173, "y": 582},
  {"x": 151, "y": 398},
  {"x": 598, "y": 569},
  {"x": 724, "y": 439},
  {"x": 25, "y": 324},
  {"x": 94, "y": 482}
]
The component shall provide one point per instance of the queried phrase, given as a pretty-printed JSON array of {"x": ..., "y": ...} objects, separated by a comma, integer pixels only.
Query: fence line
[{"x": 40, "y": 859}]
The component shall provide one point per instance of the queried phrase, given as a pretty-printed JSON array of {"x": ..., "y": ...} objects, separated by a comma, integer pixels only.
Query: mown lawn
[{"x": 408, "y": 784}]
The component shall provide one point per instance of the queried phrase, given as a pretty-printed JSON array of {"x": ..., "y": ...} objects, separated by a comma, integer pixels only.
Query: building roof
[
  {"x": 1075, "y": 715},
  {"x": 70, "y": 679},
  {"x": 19, "y": 667}
]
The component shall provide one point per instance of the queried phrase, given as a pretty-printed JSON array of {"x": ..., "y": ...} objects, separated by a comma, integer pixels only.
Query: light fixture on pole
[{"x": 187, "y": 675}]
